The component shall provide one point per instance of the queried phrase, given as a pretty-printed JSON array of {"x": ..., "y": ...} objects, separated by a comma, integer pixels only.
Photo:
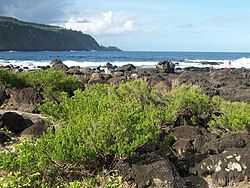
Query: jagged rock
[
  {"x": 225, "y": 168},
  {"x": 36, "y": 130},
  {"x": 24, "y": 99},
  {"x": 126, "y": 68},
  {"x": 165, "y": 66},
  {"x": 14, "y": 122},
  {"x": 158, "y": 172},
  {"x": 58, "y": 64},
  {"x": 235, "y": 140}
]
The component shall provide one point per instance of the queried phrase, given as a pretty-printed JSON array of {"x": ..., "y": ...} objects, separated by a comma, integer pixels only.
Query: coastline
[{"x": 172, "y": 132}]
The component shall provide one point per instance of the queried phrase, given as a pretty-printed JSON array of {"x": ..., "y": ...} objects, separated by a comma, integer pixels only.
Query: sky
[{"x": 146, "y": 25}]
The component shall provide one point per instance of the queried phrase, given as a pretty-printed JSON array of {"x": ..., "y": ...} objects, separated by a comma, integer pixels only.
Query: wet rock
[
  {"x": 58, "y": 64},
  {"x": 44, "y": 67},
  {"x": 197, "y": 69},
  {"x": 24, "y": 100},
  {"x": 36, "y": 130},
  {"x": 126, "y": 68},
  {"x": 14, "y": 122},
  {"x": 165, "y": 66},
  {"x": 210, "y": 63}
]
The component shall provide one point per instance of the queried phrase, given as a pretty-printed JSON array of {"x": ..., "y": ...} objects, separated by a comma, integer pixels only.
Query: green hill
[{"x": 24, "y": 36}]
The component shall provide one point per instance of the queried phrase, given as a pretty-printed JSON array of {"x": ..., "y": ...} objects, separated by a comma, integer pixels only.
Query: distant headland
[{"x": 25, "y": 36}]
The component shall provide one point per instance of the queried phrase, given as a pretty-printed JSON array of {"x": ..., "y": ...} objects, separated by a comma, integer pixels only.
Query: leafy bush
[
  {"x": 93, "y": 127},
  {"x": 103, "y": 120},
  {"x": 10, "y": 79},
  {"x": 232, "y": 116},
  {"x": 187, "y": 104},
  {"x": 52, "y": 81}
]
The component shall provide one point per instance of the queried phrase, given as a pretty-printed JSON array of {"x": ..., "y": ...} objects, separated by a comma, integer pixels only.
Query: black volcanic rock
[
  {"x": 24, "y": 36},
  {"x": 14, "y": 122}
]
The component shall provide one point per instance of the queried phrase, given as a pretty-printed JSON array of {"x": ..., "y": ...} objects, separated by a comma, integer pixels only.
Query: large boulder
[
  {"x": 158, "y": 172},
  {"x": 36, "y": 130},
  {"x": 235, "y": 140},
  {"x": 24, "y": 100},
  {"x": 127, "y": 68},
  {"x": 163, "y": 87},
  {"x": 96, "y": 78},
  {"x": 87, "y": 71},
  {"x": 58, "y": 64},
  {"x": 226, "y": 168},
  {"x": 14, "y": 122},
  {"x": 165, "y": 66},
  {"x": 74, "y": 70}
]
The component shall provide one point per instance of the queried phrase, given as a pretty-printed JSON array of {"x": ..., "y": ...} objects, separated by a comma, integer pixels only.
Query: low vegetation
[
  {"x": 230, "y": 116},
  {"x": 50, "y": 82},
  {"x": 100, "y": 124}
]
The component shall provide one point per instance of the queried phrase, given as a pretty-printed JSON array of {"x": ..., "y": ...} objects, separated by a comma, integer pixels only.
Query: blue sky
[{"x": 152, "y": 25}]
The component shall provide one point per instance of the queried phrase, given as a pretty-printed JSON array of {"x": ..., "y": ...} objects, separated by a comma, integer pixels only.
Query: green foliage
[
  {"x": 93, "y": 127},
  {"x": 52, "y": 81},
  {"x": 233, "y": 116},
  {"x": 187, "y": 105},
  {"x": 103, "y": 120},
  {"x": 10, "y": 79}
]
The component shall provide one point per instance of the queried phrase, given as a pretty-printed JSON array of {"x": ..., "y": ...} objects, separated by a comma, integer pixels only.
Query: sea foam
[{"x": 238, "y": 63}]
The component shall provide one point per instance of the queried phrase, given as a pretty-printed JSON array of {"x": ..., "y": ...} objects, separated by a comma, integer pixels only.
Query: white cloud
[{"x": 106, "y": 24}]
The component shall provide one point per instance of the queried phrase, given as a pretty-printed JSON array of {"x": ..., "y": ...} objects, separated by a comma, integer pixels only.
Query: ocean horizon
[{"x": 138, "y": 58}]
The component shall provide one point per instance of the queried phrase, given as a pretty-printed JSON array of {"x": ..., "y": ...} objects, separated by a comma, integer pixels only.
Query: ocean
[{"x": 119, "y": 58}]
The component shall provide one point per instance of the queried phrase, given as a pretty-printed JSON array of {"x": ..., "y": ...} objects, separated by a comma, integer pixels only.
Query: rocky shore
[{"x": 198, "y": 156}]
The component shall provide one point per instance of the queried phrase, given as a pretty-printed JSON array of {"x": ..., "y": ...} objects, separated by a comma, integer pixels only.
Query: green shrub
[
  {"x": 103, "y": 120},
  {"x": 187, "y": 104},
  {"x": 93, "y": 127},
  {"x": 232, "y": 116},
  {"x": 52, "y": 81},
  {"x": 10, "y": 79}
]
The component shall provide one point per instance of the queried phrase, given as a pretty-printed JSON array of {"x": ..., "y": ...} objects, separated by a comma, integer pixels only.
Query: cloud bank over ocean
[{"x": 105, "y": 24}]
